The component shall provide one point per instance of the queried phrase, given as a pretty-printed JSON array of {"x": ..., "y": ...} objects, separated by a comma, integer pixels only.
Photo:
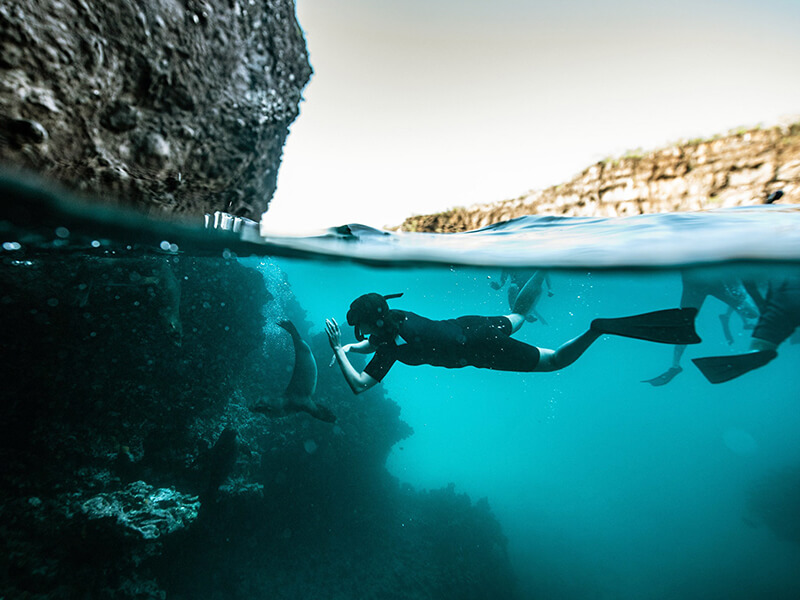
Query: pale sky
[{"x": 416, "y": 106}]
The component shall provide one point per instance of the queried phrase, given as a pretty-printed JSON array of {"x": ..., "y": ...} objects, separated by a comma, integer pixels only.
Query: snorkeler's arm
[
  {"x": 751, "y": 287},
  {"x": 362, "y": 347},
  {"x": 358, "y": 382}
]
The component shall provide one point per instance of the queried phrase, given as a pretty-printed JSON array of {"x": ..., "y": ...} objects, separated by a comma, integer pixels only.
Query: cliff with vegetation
[{"x": 737, "y": 169}]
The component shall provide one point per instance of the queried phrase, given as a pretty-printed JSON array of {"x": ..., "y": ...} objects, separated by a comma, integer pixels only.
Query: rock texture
[
  {"x": 733, "y": 170},
  {"x": 171, "y": 106}
]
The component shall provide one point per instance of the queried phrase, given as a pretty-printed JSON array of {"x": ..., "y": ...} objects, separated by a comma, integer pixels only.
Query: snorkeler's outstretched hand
[
  {"x": 334, "y": 338},
  {"x": 334, "y": 335}
]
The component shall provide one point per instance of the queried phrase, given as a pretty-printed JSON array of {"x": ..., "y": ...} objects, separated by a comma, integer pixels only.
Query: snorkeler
[
  {"x": 779, "y": 319},
  {"x": 696, "y": 289},
  {"x": 483, "y": 342},
  {"x": 517, "y": 279}
]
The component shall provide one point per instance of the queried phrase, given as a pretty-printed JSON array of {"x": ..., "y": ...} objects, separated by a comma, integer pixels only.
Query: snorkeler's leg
[
  {"x": 725, "y": 321},
  {"x": 528, "y": 295},
  {"x": 693, "y": 295},
  {"x": 567, "y": 353},
  {"x": 516, "y": 321},
  {"x": 513, "y": 292},
  {"x": 672, "y": 372},
  {"x": 733, "y": 293}
]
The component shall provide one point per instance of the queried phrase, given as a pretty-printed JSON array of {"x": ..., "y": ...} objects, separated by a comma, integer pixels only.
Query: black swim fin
[
  {"x": 671, "y": 326},
  {"x": 719, "y": 369}
]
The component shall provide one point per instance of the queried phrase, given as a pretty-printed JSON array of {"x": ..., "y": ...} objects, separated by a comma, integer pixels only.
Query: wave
[{"x": 32, "y": 212}]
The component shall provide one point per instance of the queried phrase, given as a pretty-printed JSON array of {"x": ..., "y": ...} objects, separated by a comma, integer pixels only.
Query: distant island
[{"x": 739, "y": 168}]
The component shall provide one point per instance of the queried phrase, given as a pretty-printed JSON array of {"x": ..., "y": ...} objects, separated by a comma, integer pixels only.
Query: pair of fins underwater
[{"x": 676, "y": 326}]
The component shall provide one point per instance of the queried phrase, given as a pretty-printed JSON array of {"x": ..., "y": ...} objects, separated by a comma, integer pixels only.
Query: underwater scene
[{"x": 616, "y": 417}]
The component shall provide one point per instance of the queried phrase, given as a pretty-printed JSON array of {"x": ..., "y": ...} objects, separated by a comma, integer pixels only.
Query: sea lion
[{"x": 303, "y": 384}]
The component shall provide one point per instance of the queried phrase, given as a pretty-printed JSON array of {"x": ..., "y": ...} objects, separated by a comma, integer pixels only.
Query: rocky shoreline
[{"x": 737, "y": 169}]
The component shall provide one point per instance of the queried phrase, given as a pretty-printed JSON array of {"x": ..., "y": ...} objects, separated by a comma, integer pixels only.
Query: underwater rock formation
[
  {"x": 738, "y": 169},
  {"x": 134, "y": 467},
  {"x": 171, "y": 107},
  {"x": 140, "y": 510}
]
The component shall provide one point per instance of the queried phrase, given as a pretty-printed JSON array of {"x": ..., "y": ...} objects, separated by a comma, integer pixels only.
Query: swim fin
[
  {"x": 719, "y": 369},
  {"x": 671, "y": 326}
]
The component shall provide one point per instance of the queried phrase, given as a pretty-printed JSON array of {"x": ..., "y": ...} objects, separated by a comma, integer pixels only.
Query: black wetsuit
[
  {"x": 781, "y": 315},
  {"x": 482, "y": 342}
]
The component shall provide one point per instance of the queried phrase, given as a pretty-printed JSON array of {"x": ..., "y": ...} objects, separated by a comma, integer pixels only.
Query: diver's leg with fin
[
  {"x": 672, "y": 326},
  {"x": 692, "y": 296},
  {"x": 565, "y": 354},
  {"x": 673, "y": 371}
]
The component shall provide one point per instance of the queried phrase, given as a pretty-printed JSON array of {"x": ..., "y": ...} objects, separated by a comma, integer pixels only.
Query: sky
[{"x": 417, "y": 106}]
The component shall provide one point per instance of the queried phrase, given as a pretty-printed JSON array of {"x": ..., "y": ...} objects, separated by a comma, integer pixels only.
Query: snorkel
[{"x": 369, "y": 309}]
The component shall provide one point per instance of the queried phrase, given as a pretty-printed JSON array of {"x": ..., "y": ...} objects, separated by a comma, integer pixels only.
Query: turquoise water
[{"x": 604, "y": 486}]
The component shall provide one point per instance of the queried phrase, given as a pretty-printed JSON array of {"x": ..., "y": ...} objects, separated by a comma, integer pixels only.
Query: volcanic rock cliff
[
  {"x": 171, "y": 106},
  {"x": 737, "y": 169}
]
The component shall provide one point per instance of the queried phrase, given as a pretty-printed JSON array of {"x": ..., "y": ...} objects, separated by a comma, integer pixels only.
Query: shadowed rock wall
[
  {"x": 132, "y": 465},
  {"x": 171, "y": 106},
  {"x": 733, "y": 170}
]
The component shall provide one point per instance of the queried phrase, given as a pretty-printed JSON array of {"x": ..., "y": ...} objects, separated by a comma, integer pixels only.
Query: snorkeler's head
[{"x": 370, "y": 311}]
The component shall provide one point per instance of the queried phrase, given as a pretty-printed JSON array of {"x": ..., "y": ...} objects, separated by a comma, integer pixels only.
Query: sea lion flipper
[{"x": 318, "y": 411}]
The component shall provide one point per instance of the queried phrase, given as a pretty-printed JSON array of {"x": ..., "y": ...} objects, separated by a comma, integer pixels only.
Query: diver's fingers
[{"x": 333, "y": 361}]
